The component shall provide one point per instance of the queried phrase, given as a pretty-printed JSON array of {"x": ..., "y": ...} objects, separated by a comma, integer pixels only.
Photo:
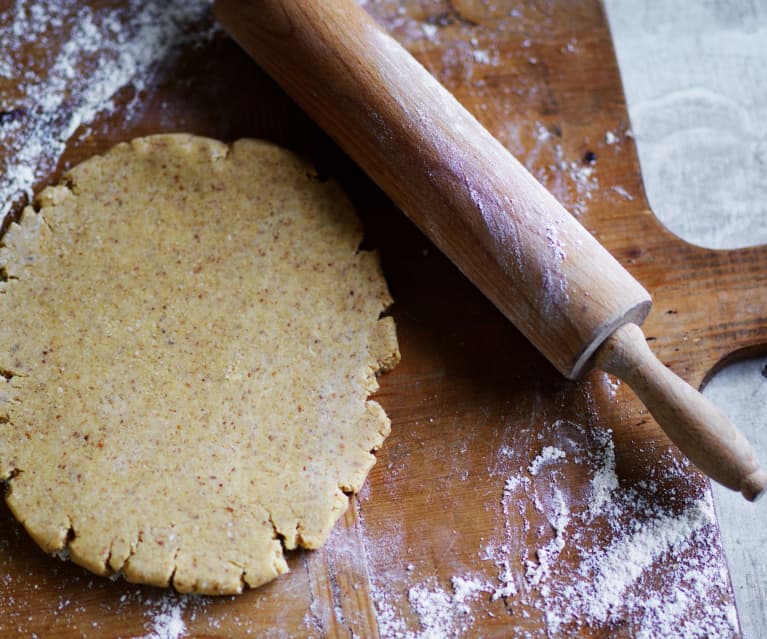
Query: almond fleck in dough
[{"x": 189, "y": 336}]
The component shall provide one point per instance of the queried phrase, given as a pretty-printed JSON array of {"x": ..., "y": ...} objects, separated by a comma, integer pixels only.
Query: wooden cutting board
[{"x": 507, "y": 501}]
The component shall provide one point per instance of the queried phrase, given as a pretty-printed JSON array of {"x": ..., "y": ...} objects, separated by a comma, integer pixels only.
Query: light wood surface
[{"x": 472, "y": 403}]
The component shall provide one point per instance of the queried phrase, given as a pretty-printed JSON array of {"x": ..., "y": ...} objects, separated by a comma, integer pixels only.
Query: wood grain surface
[{"x": 472, "y": 403}]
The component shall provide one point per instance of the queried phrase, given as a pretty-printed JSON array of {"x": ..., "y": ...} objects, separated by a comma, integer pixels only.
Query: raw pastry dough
[{"x": 189, "y": 335}]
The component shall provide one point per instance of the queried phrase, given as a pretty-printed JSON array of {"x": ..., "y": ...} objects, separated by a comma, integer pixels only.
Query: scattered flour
[
  {"x": 436, "y": 614},
  {"x": 556, "y": 245},
  {"x": 481, "y": 56},
  {"x": 655, "y": 567},
  {"x": 622, "y": 192},
  {"x": 513, "y": 482},
  {"x": 429, "y": 30},
  {"x": 464, "y": 588},
  {"x": 547, "y": 554},
  {"x": 440, "y": 613},
  {"x": 548, "y": 454},
  {"x": 605, "y": 481},
  {"x": 610, "y": 572},
  {"x": 585, "y": 181},
  {"x": 506, "y": 577},
  {"x": 390, "y": 621},
  {"x": 613, "y": 384},
  {"x": 542, "y": 134},
  {"x": 62, "y": 554},
  {"x": 167, "y": 622},
  {"x": 506, "y": 451}
]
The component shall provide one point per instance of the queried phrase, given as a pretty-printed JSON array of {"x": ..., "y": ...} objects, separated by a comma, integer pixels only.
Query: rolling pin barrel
[
  {"x": 459, "y": 185},
  {"x": 482, "y": 208}
]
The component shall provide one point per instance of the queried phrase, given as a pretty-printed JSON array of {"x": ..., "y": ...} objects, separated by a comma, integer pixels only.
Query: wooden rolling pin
[{"x": 482, "y": 208}]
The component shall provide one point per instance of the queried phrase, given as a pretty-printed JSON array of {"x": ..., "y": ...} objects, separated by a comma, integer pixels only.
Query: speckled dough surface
[{"x": 189, "y": 336}]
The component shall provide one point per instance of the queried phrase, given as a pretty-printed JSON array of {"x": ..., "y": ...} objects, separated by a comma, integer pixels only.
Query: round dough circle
[{"x": 188, "y": 341}]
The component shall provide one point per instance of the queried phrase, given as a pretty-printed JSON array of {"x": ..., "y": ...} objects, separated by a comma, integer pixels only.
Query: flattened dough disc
[{"x": 189, "y": 336}]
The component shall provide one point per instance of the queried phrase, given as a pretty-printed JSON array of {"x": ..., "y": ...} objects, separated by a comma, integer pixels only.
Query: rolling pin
[{"x": 503, "y": 229}]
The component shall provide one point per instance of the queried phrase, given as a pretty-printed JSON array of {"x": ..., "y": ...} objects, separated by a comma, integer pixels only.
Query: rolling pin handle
[
  {"x": 754, "y": 486},
  {"x": 697, "y": 427}
]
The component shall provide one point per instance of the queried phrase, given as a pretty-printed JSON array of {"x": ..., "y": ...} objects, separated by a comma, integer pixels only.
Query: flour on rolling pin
[
  {"x": 104, "y": 51},
  {"x": 572, "y": 179},
  {"x": 467, "y": 56},
  {"x": 498, "y": 210}
]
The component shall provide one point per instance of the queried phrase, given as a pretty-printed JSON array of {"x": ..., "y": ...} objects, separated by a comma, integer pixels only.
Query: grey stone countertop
[{"x": 695, "y": 77}]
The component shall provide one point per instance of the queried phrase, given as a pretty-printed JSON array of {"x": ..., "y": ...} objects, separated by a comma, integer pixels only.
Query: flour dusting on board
[
  {"x": 615, "y": 555},
  {"x": 166, "y": 620},
  {"x": 610, "y": 583},
  {"x": 440, "y": 612},
  {"x": 548, "y": 454},
  {"x": 44, "y": 104}
]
